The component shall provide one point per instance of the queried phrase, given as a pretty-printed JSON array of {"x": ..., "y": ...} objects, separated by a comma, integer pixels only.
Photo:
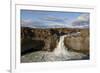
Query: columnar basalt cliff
[{"x": 36, "y": 39}]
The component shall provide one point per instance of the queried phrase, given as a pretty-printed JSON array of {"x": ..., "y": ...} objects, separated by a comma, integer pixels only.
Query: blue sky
[{"x": 48, "y": 18}]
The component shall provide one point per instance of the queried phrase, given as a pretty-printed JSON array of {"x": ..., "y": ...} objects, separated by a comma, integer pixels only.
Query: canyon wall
[{"x": 35, "y": 39}]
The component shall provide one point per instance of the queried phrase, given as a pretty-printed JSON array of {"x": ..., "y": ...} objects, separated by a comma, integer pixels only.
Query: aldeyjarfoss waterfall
[{"x": 60, "y": 53}]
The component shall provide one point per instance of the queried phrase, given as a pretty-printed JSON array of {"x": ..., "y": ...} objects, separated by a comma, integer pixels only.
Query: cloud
[
  {"x": 84, "y": 17},
  {"x": 31, "y": 23},
  {"x": 81, "y": 21},
  {"x": 46, "y": 22},
  {"x": 54, "y": 19},
  {"x": 55, "y": 22},
  {"x": 26, "y": 22}
]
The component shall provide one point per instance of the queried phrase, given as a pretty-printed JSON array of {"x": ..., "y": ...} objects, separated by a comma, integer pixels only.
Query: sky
[{"x": 36, "y": 18}]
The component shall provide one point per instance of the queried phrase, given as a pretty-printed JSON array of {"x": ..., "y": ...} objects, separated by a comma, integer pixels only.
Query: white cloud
[
  {"x": 44, "y": 22},
  {"x": 81, "y": 21},
  {"x": 27, "y": 21},
  {"x": 83, "y": 17}
]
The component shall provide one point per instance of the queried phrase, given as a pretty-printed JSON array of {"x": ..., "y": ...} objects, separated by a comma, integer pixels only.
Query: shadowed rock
[{"x": 28, "y": 46}]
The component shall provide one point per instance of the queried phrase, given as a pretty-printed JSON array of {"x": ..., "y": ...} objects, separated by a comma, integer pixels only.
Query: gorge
[{"x": 54, "y": 44}]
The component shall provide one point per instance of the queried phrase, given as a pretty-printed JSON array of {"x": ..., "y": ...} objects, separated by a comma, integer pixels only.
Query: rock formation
[{"x": 35, "y": 39}]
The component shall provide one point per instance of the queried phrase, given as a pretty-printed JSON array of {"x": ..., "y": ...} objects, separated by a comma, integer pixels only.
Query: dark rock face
[
  {"x": 29, "y": 45},
  {"x": 38, "y": 39},
  {"x": 35, "y": 39}
]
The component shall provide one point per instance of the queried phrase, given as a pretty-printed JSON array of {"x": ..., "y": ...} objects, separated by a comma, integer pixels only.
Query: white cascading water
[
  {"x": 60, "y": 49},
  {"x": 61, "y": 53}
]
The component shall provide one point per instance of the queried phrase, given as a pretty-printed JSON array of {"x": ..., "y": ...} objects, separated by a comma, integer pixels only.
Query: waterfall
[
  {"x": 61, "y": 53},
  {"x": 60, "y": 49}
]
